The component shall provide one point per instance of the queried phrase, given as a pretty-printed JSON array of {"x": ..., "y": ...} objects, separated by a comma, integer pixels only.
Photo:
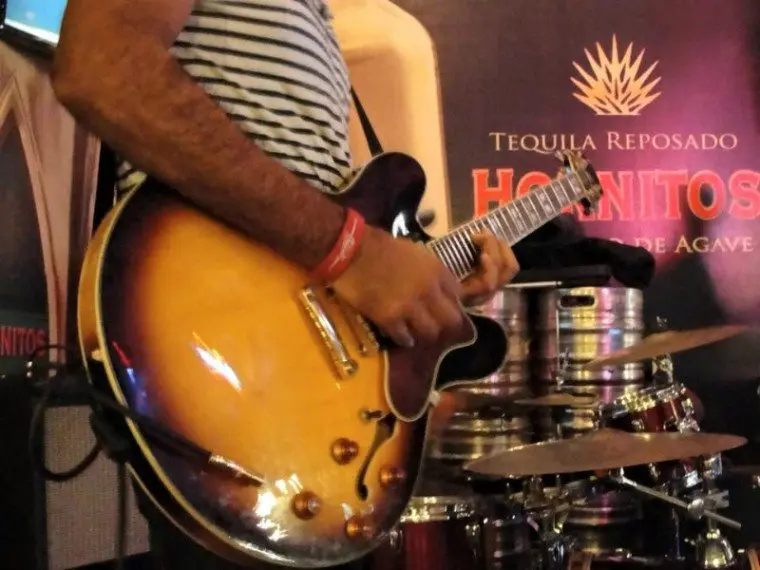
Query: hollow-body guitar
[{"x": 315, "y": 424}]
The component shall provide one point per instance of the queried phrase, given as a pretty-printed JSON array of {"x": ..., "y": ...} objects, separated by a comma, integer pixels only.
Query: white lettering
[{"x": 550, "y": 142}]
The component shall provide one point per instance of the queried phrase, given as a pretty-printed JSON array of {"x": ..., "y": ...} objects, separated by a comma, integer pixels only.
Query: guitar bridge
[{"x": 345, "y": 366}]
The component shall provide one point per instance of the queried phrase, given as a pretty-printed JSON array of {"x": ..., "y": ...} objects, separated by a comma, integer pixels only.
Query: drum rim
[
  {"x": 649, "y": 397},
  {"x": 439, "y": 508}
]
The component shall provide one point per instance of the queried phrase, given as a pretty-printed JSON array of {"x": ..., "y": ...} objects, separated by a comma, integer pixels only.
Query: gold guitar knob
[
  {"x": 358, "y": 527},
  {"x": 344, "y": 450},
  {"x": 390, "y": 476},
  {"x": 306, "y": 505}
]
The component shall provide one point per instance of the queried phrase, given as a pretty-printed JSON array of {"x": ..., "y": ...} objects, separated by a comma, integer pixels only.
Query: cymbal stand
[
  {"x": 698, "y": 508},
  {"x": 662, "y": 365},
  {"x": 541, "y": 512},
  {"x": 563, "y": 363},
  {"x": 713, "y": 550}
]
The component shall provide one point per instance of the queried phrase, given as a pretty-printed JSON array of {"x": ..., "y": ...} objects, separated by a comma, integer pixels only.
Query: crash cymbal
[
  {"x": 601, "y": 450},
  {"x": 559, "y": 399},
  {"x": 668, "y": 342}
]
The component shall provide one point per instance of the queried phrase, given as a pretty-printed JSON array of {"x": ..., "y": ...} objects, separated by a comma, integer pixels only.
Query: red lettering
[
  {"x": 20, "y": 341},
  {"x": 484, "y": 194},
  {"x": 530, "y": 180},
  {"x": 647, "y": 194},
  {"x": 6, "y": 337},
  {"x": 680, "y": 193},
  {"x": 30, "y": 341},
  {"x": 743, "y": 187},
  {"x": 674, "y": 181},
  {"x": 617, "y": 195},
  {"x": 694, "y": 195},
  {"x": 41, "y": 338}
]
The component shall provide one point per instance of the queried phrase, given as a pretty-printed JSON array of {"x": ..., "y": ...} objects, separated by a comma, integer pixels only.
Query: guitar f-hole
[{"x": 383, "y": 432}]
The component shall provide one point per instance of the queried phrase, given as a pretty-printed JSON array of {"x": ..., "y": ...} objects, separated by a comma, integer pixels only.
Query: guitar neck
[{"x": 510, "y": 223}]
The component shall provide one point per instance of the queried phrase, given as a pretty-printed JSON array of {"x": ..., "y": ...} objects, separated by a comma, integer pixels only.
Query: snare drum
[
  {"x": 655, "y": 409},
  {"x": 660, "y": 409},
  {"x": 437, "y": 532}
]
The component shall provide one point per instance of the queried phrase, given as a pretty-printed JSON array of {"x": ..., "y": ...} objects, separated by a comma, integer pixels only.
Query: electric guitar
[{"x": 314, "y": 423}]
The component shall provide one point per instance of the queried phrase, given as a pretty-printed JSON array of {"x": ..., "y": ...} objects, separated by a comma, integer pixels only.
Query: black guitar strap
[{"x": 373, "y": 142}]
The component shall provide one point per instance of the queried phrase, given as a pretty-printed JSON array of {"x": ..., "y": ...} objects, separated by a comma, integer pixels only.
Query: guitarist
[{"x": 242, "y": 107}]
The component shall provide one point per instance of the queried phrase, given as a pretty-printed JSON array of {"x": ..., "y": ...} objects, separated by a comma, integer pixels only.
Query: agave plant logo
[{"x": 615, "y": 85}]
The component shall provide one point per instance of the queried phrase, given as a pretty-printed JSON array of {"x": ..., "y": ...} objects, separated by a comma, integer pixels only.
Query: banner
[
  {"x": 663, "y": 97},
  {"x": 48, "y": 171}
]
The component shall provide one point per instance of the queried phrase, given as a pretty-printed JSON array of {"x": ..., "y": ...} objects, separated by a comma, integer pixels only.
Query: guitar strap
[{"x": 373, "y": 142}]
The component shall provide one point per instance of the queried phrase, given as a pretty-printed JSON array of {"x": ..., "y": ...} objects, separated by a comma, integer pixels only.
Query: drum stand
[
  {"x": 542, "y": 514},
  {"x": 712, "y": 549}
]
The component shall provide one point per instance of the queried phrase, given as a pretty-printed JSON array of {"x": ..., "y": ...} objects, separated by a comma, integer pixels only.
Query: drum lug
[
  {"x": 396, "y": 538},
  {"x": 473, "y": 532}
]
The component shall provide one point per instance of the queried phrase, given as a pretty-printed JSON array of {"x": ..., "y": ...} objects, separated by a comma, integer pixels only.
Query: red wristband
[{"x": 343, "y": 251}]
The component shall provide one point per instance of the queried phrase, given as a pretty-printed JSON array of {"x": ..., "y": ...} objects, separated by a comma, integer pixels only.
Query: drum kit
[{"x": 594, "y": 462}]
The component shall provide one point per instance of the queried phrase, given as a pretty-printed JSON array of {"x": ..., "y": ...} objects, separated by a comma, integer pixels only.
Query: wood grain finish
[{"x": 201, "y": 329}]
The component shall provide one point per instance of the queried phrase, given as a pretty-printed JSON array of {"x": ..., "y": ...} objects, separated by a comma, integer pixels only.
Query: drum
[
  {"x": 580, "y": 561},
  {"x": 436, "y": 532},
  {"x": 661, "y": 409},
  {"x": 654, "y": 409},
  {"x": 576, "y": 326},
  {"x": 471, "y": 435},
  {"x": 457, "y": 533},
  {"x": 509, "y": 308},
  {"x": 506, "y": 537}
]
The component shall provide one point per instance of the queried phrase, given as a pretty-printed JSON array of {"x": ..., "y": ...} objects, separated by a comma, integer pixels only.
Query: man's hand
[
  {"x": 406, "y": 291},
  {"x": 496, "y": 267},
  {"x": 403, "y": 288}
]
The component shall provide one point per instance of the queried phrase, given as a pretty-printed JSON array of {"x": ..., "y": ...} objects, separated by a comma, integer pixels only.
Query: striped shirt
[{"x": 275, "y": 68}]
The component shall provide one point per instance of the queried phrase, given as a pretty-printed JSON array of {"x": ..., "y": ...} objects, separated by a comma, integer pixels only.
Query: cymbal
[
  {"x": 601, "y": 450},
  {"x": 667, "y": 342},
  {"x": 559, "y": 399}
]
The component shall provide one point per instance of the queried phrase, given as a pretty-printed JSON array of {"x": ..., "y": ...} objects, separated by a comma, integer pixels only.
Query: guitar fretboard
[{"x": 511, "y": 222}]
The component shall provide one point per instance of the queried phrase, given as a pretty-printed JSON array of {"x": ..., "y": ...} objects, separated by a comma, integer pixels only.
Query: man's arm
[{"x": 114, "y": 73}]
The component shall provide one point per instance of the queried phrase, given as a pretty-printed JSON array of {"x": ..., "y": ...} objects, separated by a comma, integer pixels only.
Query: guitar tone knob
[
  {"x": 391, "y": 476},
  {"x": 359, "y": 528},
  {"x": 306, "y": 505},
  {"x": 344, "y": 450}
]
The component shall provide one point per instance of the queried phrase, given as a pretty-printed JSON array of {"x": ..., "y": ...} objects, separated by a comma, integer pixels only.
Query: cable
[{"x": 63, "y": 382}]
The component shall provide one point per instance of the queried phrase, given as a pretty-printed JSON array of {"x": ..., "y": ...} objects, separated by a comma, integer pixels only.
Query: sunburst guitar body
[{"x": 192, "y": 325}]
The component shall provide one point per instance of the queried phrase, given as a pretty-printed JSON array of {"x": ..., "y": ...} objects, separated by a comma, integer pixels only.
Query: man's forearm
[{"x": 162, "y": 122}]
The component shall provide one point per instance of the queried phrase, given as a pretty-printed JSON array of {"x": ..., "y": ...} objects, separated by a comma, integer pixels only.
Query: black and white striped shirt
[{"x": 275, "y": 68}]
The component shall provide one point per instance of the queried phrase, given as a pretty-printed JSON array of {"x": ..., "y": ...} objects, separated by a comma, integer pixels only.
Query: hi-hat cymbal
[
  {"x": 668, "y": 342},
  {"x": 601, "y": 450},
  {"x": 559, "y": 399}
]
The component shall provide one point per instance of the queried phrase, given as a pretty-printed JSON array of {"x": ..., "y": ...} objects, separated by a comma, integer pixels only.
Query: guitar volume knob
[
  {"x": 306, "y": 505},
  {"x": 344, "y": 450},
  {"x": 359, "y": 528},
  {"x": 391, "y": 476}
]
